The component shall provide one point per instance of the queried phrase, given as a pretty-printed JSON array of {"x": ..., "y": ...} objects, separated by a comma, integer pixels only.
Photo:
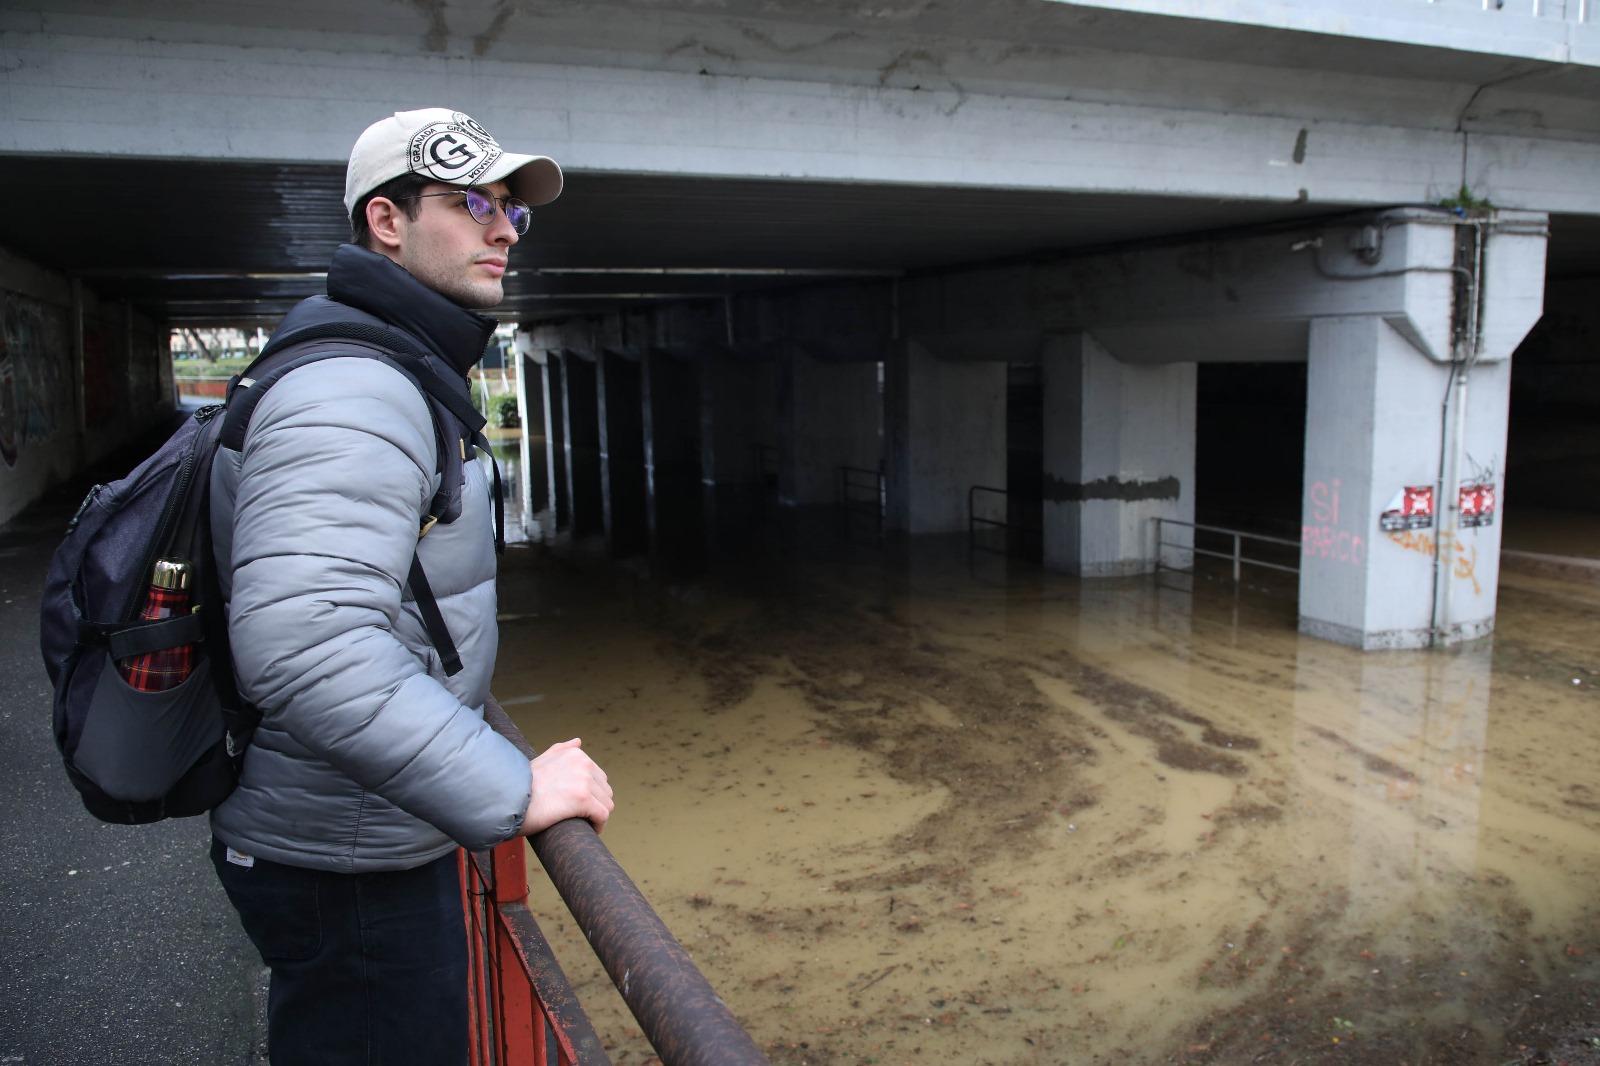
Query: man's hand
[{"x": 567, "y": 784}]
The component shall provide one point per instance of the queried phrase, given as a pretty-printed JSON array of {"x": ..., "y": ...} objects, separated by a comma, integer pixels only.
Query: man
[{"x": 371, "y": 763}]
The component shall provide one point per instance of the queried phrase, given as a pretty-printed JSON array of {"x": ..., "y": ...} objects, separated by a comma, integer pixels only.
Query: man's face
[{"x": 449, "y": 251}]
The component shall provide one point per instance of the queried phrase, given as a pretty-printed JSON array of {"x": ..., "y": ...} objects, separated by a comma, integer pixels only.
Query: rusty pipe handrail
[{"x": 684, "y": 1019}]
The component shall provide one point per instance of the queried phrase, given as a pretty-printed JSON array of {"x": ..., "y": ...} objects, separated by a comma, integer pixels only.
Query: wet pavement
[{"x": 926, "y": 806}]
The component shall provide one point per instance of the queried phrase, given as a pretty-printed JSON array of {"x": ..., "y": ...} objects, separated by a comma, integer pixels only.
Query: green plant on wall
[{"x": 1465, "y": 203}]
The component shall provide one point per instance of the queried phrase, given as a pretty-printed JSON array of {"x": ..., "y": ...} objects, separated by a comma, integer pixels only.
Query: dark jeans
[{"x": 366, "y": 968}]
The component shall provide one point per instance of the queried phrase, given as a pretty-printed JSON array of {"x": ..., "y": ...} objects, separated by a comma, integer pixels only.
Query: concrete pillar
[
  {"x": 1406, "y": 438},
  {"x": 622, "y": 465},
  {"x": 582, "y": 411},
  {"x": 671, "y": 405},
  {"x": 1118, "y": 451},
  {"x": 946, "y": 433},
  {"x": 537, "y": 515},
  {"x": 830, "y": 416},
  {"x": 553, "y": 387},
  {"x": 1374, "y": 422}
]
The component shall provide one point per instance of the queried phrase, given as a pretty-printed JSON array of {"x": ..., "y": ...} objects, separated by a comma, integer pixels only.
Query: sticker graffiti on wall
[
  {"x": 1411, "y": 512},
  {"x": 1411, "y": 509},
  {"x": 33, "y": 390},
  {"x": 1476, "y": 504}
]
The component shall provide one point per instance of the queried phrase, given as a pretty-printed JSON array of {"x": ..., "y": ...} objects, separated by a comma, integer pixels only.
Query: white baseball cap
[{"x": 448, "y": 147}]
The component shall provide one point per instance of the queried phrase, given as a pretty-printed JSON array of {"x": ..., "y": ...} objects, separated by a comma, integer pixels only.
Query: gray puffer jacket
[{"x": 367, "y": 757}]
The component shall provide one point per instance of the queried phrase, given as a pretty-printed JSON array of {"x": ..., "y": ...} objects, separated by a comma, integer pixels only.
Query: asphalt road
[{"x": 117, "y": 944}]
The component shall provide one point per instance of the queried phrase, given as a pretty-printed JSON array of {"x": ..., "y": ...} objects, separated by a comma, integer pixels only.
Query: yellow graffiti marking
[{"x": 1465, "y": 563}]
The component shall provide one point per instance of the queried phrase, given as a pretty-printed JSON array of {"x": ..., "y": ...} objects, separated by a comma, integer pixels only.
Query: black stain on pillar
[
  {"x": 1300, "y": 147},
  {"x": 622, "y": 455},
  {"x": 583, "y": 447},
  {"x": 555, "y": 406},
  {"x": 1109, "y": 488},
  {"x": 671, "y": 396}
]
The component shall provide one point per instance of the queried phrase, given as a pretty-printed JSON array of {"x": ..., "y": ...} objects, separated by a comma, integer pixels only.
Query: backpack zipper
[{"x": 169, "y": 513}]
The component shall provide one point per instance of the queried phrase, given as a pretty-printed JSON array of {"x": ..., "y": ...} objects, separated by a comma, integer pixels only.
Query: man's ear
[{"x": 384, "y": 219}]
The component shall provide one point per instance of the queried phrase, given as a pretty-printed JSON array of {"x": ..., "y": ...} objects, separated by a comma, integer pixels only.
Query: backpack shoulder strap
[
  {"x": 245, "y": 392},
  {"x": 395, "y": 343}
]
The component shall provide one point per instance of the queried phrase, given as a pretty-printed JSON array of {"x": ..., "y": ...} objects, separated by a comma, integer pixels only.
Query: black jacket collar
[{"x": 377, "y": 285}]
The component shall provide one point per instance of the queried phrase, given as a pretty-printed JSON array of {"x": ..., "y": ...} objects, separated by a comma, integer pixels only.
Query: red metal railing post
[
  {"x": 477, "y": 1052},
  {"x": 516, "y": 1014}
]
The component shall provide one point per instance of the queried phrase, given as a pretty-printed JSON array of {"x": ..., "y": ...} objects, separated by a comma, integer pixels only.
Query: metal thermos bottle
[{"x": 156, "y": 671}]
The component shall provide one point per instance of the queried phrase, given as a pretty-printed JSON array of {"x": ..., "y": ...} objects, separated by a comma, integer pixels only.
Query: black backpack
[{"x": 137, "y": 756}]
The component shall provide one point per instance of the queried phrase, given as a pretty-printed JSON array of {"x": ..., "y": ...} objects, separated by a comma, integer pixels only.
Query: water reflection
[
  {"x": 508, "y": 456},
  {"x": 916, "y": 805}
]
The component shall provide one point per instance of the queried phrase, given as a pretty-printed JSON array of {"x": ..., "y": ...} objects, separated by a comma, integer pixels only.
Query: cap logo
[{"x": 457, "y": 152}]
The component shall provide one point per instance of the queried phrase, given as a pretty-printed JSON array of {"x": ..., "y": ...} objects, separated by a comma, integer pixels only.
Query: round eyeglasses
[{"x": 482, "y": 204}]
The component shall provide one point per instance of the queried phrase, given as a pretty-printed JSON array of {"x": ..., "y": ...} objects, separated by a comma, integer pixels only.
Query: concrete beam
[
  {"x": 82, "y": 93},
  {"x": 1251, "y": 298}
]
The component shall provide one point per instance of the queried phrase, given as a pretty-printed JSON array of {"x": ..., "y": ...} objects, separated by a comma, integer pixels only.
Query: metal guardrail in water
[
  {"x": 1236, "y": 557},
  {"x": 861, "y": 495},
  {"x": 684, "y": 1019},
  {"x": 1016, "y": 531}
]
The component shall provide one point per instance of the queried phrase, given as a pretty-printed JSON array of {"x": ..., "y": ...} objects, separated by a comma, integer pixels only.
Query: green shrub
[{"x": 505, "y": 412}]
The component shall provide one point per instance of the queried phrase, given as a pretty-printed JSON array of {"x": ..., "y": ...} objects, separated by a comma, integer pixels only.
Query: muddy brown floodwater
[{"x": 912, "y": 809}]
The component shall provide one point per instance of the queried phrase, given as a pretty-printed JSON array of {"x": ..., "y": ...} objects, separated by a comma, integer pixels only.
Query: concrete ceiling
[
  {"x": 242, "y": 242},
  {"x": 238, "y": 241}
]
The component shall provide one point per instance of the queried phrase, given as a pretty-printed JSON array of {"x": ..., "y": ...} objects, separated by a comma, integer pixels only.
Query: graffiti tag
[
  {"x": 1463, "y": 556},
  {"x": 1321, "y": 538},
  {"x": 33, "y": 391}
]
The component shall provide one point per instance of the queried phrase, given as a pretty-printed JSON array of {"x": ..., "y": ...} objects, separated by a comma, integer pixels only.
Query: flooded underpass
[{"x": 925, "y": 806}]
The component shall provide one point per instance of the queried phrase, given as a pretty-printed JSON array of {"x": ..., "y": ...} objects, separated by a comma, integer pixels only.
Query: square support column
[
  {"x": 1375, "y": 426},
  {"x": 538, "y": 513},
  {"x": 554, "y": 390},
  {"x": 1118, "y": 451},
  {"x": 831, "y": 416},
  {"x": 622, "y": 473},
  {"x": 947, "y": 433}
]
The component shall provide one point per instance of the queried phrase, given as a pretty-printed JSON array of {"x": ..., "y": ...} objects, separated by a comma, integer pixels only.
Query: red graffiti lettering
[
  {"x": 1326, "y": 542},
  {"x": 1325, "y": 502}
]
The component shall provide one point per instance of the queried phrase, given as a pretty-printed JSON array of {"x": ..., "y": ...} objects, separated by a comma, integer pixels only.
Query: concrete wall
[
  {"x": 947, "y": 433},
  {"x": 832, "y": 416},
  {"x": 126, "y": 375},
  {"x": 739, "y": 412}
]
